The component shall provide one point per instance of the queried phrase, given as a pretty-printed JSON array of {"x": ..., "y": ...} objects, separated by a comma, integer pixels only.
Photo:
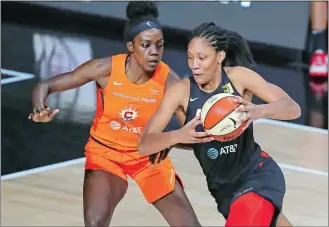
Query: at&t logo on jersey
[
  {"x": 117, "y": 126},
  {"x": 228, "y": 149},
  {"x": 212, "y": 153},
  {"x": 128, "y": 114}
]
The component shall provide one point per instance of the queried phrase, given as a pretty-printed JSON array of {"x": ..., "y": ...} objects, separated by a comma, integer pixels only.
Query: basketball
[{"x": 219, "y": 117}]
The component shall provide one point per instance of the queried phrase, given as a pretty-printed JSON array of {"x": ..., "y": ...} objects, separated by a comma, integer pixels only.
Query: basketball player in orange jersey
[
  {"x": 246, "y": 183},
  {"x": 129, "y": 90}
]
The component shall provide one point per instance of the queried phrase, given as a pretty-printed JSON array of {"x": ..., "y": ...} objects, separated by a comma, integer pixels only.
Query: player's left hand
[
  {"x": 253, "y": 112},
  {"x": 162, "y": 155}
]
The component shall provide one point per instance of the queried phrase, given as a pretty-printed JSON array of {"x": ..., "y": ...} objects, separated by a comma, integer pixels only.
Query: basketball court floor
[{"x": 52, "y": 195}]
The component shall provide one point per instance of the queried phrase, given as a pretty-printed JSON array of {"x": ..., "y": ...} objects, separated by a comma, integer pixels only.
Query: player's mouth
[
  {"x": 153, "y": 63},
  {"x": 197, "y": 74}
]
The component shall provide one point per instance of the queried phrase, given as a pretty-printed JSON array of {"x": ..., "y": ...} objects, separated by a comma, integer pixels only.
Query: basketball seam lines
[
  {"x": 233, "y": 131},
  {"x": 220, "y": 120}
]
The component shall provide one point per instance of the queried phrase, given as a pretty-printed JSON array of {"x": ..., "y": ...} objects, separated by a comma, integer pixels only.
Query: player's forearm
[
  {"x": 284, "y": 109},
  {"x": 151, "y": 143},
  {"x": 40, "y": 93}
]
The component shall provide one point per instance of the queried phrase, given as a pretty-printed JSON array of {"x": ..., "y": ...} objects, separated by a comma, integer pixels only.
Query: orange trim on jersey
[{"x": 123, "y": 108}]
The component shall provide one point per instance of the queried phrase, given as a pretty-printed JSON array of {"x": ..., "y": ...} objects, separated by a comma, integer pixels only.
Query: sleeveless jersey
[
  {"x": 123, "y": 108},
  {"x": 222, "y": 162}
]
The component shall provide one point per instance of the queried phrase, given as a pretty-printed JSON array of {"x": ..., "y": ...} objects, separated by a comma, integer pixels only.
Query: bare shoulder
[
  {"x": 180, "y": 86},
  {"x": 172, "y": 78},
  {"x": 172, "y": 75},
  {"x": 176, "y": 97},
  {"x": 98, "y": 70},
  {"x": 96, "y": 66},
  {"x": 239, "y": 72},
  {"x": 240, "y": 76},
  {"x": 100, "y": 64}
]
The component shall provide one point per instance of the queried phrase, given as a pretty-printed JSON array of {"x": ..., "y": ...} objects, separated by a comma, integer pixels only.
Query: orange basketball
[{"x": 220, "y": 118}]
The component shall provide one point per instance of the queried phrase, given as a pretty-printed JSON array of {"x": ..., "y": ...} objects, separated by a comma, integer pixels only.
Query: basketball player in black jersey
[{"x": 247, "y": 184}]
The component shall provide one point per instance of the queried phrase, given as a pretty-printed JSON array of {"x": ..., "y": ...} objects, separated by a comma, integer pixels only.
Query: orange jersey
[{"x": 123, "y": 108}]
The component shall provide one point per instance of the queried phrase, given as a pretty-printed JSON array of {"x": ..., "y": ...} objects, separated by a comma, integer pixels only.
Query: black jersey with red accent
[{"x": 222, "y": 162}]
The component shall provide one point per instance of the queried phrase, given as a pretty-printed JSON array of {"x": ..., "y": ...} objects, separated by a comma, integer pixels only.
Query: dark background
[
  {"x": 28, "y": 145},
  {"x": 277, "y": 18}
]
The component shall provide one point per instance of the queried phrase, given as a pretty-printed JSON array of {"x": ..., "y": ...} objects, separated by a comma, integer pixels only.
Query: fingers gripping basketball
[{"x": 220, "y": 118}]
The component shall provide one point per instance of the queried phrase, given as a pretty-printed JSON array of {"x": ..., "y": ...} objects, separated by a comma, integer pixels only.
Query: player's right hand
[
  {"x": 188, "y": 135},
  {"x": 43, "y": 114}
]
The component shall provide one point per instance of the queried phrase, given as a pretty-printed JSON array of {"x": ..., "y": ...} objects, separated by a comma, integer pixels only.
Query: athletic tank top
[
  {"x": 123, "y": 108},
  {"x": 221, "y": 162}
]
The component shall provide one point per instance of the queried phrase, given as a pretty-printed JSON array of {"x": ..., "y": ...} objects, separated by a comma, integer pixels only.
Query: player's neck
[
  {"x": 135, "y": 73},
  {"x": 213, "y": 84}
]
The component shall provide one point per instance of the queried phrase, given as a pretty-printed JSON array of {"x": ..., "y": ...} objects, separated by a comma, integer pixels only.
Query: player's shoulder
[
  {"x": 98, "y": 66},
  {"x": 105, "y": 61},
  {"x": 172, "y": 78},
  {"x": 180, "y": 86},
  {"x": 178, "y": 91},
  {"x": 173, "y": 75},
  {"x": 183, "y": 83},
  {"x": 238, "y": 74},
  {"x": 238, "y": 70}
]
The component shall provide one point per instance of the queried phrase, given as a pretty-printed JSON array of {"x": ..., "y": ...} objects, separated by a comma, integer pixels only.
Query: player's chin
[
  {"x": 150, "y": 68},
  {"x": 200, "y": 80}
]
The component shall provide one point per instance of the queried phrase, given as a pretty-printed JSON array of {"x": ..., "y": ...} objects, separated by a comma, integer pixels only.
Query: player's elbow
[
  {"x": 141, "y": 150},
  {"x": 296, "y": 110}
]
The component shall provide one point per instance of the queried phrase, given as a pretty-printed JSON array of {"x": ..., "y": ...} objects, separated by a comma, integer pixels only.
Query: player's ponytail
[
  {"x": 236, "y": 48},
  {"x": 238, "y": 52}
]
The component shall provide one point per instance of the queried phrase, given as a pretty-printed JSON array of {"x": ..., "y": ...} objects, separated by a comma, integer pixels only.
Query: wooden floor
[{"x": 54, "y": 197}]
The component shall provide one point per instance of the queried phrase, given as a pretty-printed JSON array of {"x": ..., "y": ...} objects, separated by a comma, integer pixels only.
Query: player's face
[
  {"x": 148, "y": 49},
  {"x": 203, "y": 60}
]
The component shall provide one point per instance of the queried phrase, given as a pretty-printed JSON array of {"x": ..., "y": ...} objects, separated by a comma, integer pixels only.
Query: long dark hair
[{"x": 236, "y": 48}]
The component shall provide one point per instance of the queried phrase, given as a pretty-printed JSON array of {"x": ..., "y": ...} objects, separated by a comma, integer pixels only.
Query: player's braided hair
[{"x": 236, "y": 48}]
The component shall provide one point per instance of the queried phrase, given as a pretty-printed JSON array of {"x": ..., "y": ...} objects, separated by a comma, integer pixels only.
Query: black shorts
[{"x": 266, "y": 180}]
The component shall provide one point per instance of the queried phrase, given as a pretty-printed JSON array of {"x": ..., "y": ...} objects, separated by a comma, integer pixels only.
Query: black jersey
[{"x": 222, "y": 162}]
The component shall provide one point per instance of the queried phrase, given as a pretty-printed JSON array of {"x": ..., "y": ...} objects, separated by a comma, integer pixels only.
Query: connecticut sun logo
[{"x": 128, "y": 114}]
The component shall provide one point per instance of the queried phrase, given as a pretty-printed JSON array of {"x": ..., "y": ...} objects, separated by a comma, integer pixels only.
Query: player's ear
[
  {"x": 220, "y": 57},
  {"x": 130, "y": 46}
]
